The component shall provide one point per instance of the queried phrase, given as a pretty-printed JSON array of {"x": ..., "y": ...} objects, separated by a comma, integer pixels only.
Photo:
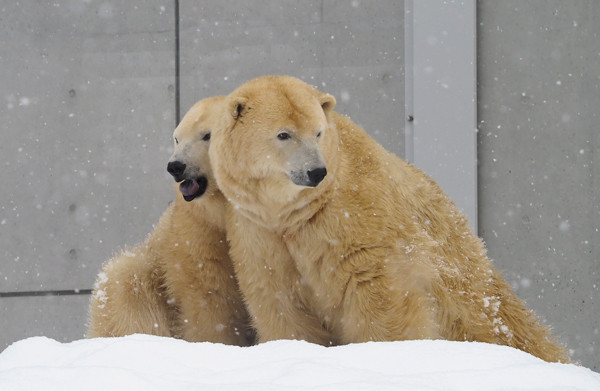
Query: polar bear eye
[
  {"x": 283, "y": 136},
  {"x": 319, "y": 135},
  {"x": 206, "y": 137},
  {"x": 176, "y": 141}
]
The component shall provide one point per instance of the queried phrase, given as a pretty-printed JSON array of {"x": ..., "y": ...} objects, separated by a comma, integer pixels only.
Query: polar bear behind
[
  {"x": 335, "y": 240},
  {"x": 180, "y": 282}
]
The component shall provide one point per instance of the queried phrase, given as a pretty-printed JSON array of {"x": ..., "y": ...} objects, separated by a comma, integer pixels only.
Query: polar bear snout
[
  {"x": 306, "y": 166},
  {"x": 309, "y": 178},
  {"x": 191, "y": 186},
  {"x": 176, "y": 168},
  {"x": 316, "y": 176}
]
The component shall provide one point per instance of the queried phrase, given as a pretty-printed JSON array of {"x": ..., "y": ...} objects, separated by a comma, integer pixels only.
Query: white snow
[{"x": 142, "y": 362}]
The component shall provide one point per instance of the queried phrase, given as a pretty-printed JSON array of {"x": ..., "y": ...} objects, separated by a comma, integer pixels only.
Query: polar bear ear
[
  {"x": 237, "y": 105},
  {"x": 327, "y": 102}
]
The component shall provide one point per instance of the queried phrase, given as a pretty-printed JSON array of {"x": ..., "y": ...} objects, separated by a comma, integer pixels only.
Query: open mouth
[{"x": 193, "y": 188}]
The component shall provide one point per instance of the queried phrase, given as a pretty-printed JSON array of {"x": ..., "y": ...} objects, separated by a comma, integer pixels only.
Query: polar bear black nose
[
  {"x": 176, "y": 168},
  {"x": 316, "y": 176}
]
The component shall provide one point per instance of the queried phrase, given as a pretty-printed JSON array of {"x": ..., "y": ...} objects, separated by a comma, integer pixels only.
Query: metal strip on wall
[{"x": 440, "y": 96}]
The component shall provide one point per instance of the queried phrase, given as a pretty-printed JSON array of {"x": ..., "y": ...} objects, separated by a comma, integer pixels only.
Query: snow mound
[{"x": 142, "y": 362}]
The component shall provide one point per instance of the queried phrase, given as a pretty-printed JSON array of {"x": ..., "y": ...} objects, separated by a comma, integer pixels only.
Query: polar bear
[
  {"x": 335, "y": 240},
  {"x": 180, "y": 282}
]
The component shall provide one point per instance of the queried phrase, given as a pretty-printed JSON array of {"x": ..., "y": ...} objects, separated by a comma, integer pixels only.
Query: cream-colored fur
[
  {"x": 180, "y": 282},
  {"x": 375, "y": 251}
]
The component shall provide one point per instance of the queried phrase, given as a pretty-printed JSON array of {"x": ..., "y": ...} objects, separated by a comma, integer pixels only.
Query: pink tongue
[{"x": 189, "y": 187}]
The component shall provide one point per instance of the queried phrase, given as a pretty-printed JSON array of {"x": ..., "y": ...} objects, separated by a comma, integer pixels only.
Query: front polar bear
[{"x": 335, "y": 240}]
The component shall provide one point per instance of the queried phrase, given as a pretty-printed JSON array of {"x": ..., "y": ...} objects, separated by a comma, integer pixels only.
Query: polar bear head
[
  {"x": 272, "y": 139},
  {"x": 190, "y": 164}
]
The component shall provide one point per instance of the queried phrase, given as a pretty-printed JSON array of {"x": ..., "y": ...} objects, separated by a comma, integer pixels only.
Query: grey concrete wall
[
  {"x": 539, "y": 99},
  {"x": 86, "y": 119}
]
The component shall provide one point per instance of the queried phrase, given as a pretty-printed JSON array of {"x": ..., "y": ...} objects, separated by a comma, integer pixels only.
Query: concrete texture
[
  {"x": 86, "y": 119},
  {"x": 62, "y": 318},
  {"x": 539, "y": 94}
]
